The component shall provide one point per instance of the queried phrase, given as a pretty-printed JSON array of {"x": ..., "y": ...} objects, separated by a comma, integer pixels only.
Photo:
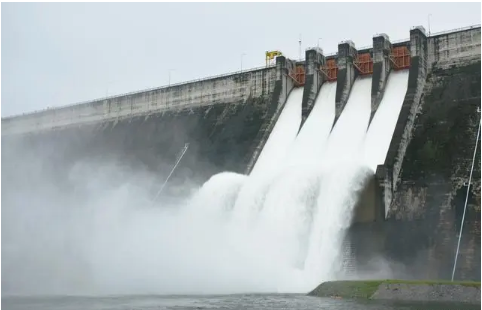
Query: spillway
[
  {"x": 280, "y": 229},
  {"x": 299, "y": 203},
  {"x": 348, "y": 134},
  {"x": 383, "y": 124},
  {"x": 340, "y": 175},
  {"x": 272, "y": 158},
  {"x": 287, "y": 212},
  {"x": 282, "y": 136},
  {"x": 311, "y": 140}
]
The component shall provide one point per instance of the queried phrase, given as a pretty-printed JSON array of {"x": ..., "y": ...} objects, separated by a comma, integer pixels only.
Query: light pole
[
  {"x": 242, "y": 61},
  {"x": 428, "y": 17},
  {"x": 299, "y": 52},
  {"x": 319, "y": 42},
  {"x": 170, "y": 70},
  {"x": 107, "y": 88}
]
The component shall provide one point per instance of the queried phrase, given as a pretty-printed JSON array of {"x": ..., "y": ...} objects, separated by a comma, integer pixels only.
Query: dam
[{"x": 361, "y": 157}]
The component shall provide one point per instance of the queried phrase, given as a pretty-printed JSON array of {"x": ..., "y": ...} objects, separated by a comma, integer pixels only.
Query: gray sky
[{"x": 55, "y": 54}]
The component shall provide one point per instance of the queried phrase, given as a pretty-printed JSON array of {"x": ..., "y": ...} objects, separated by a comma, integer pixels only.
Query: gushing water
[
  {"x": 278, "y": 229},
  {"x": 341, "y": 176},
  {"x": 290, "y": 202},
  {"x": 348, "y": 134},
  {"x": 271, "y": 159},
  {"x": 311, "y": 140},
  {"x": 381, "y": 129},
  {"x": 281, "y": 138}
]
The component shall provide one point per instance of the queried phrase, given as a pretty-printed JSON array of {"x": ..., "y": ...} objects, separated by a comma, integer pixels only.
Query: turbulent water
[
  {"x": 276, "y": 230},
  {"x": 219, "y": 302},
  {"x": 381, "y": 129}
]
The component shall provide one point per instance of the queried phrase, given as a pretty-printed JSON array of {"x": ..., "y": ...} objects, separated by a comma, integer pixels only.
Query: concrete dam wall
[
  {"x": 219, "y": 118},
  {"x": 409, "y": 209},
  {"x": 423, "y": 182}
]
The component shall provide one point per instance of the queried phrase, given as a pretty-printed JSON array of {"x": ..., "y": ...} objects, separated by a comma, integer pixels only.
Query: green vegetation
[
  {"x": 366, "y": 289},
  {"x": 347, "y": 289}
]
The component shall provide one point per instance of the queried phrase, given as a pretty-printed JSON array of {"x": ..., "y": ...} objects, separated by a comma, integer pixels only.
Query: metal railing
[
  {"x": 364, "y": 48},
  {"x": 454, "y": 30},
  {"x": 212, "y": 77},
  {"x": 140, "y": 91},
  {"x": 408, "y": 39},
  {"x": 400, "y": 41}
]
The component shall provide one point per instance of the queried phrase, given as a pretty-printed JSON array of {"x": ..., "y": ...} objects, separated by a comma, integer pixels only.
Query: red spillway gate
[
  {"x": 364, "y": 64},
  {"x": 330, "y": 70},
  {"x": 298, "y": 75},
  {"x": 400, "y": 58}
]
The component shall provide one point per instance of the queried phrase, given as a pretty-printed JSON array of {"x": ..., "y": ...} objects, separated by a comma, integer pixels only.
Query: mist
[
  {"x": 89, "y": 227},
  {"x": 86, "y": 224}
]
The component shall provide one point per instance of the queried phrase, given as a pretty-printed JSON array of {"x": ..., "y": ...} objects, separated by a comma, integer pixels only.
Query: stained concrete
[
  {"x": 419, "y": 237},
  {"x": 346, "y": 76},
  {"x": 381, "y": 70},
  {"x": 422, "y": 185},
  {"x": 436, "y": 166},
  {"x": 283, "y": 87},
  {"x": 227, "y": 118},
  {"x": 220, "y": 138},
  {"x": 388, "y": 173},
  {"x": 313, "y": 81},
  {"x": 218, "y": 90}
]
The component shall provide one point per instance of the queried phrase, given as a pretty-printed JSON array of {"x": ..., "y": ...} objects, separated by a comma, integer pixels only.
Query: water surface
[{"x": 241, "y": 302}]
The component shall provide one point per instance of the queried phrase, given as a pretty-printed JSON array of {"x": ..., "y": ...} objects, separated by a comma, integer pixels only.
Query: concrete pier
[
  {"x": 346, "y": 75},
  {"x": 314, "y": 80},
  {"x": 381, "y": 69},
  {"x": 417, "y": 197},
  {"x": 283, "y": 86},
  {"x": 389, "y": 174}
]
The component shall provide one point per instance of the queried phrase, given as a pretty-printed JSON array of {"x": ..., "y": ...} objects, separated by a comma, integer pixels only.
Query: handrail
[
  {"x": 140, "y": 91},
  {"x": 215, "y": 76},
  {"x": 331, "y": 54},
  {"x": 400, "y": 41},
  {"x": 364, "y": 48},
  {"x": 454, "y": 30}
]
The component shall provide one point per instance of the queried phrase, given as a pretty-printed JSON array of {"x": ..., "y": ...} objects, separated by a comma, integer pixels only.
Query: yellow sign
[{"x": 270, "y": 55}]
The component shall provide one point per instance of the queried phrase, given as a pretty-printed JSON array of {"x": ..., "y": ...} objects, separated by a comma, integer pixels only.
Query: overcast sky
[{"x": 55, "y": 54}]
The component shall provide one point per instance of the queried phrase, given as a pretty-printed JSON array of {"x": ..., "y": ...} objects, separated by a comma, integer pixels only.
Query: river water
[{"x": 238, "y": 302}]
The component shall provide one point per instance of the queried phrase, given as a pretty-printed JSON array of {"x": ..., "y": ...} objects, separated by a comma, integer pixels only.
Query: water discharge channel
[{"x": 280, "y": 229}]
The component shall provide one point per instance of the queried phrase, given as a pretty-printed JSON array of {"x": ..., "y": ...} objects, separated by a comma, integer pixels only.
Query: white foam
[{"x": 383, "y": 124}]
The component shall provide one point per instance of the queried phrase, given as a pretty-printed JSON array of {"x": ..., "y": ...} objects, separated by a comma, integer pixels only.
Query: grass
[{"x": 365, "y": 289}]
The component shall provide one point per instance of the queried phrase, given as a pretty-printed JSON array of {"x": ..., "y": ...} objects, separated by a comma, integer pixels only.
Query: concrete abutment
[
  {"x": 381, "y": 69},
  {"x": 389, "y": 173},
  {"x": 314, "y": 81},
  {"x": 346, "y": 76},
  {"x": 284, "y": 84}
]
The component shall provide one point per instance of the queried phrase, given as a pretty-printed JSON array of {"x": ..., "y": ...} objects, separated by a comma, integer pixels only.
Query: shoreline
[{"x": 401, "y": 290}]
